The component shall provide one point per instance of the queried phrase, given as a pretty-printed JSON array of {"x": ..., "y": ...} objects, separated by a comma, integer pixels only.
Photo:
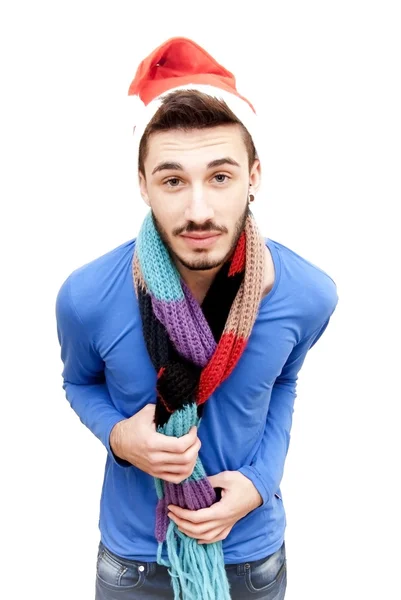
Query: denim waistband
[{"x": 150, "y": 568}]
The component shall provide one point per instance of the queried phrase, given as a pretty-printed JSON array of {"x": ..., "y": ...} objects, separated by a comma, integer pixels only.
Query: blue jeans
[{"x": 121, "y": 579}]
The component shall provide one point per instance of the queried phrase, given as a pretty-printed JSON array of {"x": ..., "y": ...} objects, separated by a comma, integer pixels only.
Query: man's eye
[
  {"x": 220, "y": 178},
  {"x": 173, "y": 182}
]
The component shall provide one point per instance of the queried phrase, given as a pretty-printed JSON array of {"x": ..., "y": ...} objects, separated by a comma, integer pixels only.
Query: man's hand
[
  {"x": 238, "y": 498},
  {"x": 167, "y": 457}
]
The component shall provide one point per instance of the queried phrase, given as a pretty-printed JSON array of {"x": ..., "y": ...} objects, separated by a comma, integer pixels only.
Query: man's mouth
[{"x": 201, "y": 240}]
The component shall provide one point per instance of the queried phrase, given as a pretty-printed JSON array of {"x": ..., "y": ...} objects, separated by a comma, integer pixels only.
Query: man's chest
[{"x": 132, "y": 378}]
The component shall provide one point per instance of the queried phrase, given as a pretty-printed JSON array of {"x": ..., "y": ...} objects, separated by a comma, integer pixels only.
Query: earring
[{"x": 251, "y": 198}]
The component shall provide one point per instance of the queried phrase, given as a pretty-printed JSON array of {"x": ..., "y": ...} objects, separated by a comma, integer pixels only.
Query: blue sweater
[{"x": 108, "y": 376}]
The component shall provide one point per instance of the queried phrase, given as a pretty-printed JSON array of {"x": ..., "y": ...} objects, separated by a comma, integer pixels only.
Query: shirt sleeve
[
  {"x": 83, "y": 373},
  {"x": 267, "y": 466}
]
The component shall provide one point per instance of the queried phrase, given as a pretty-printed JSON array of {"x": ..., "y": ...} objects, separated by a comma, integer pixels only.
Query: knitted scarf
[{"x": 193, "y": 349}]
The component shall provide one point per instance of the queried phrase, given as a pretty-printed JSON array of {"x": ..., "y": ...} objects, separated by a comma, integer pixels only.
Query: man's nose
[{"x": 198, "y": 209}]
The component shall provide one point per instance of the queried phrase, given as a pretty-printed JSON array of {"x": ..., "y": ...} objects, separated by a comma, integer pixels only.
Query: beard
[{"x": 203, "y": 263}]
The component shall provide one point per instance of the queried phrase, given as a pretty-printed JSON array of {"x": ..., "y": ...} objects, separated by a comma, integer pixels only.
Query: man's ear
[
  {"x": 255, "y": 176},
  {"x": 143, "y": 188}
]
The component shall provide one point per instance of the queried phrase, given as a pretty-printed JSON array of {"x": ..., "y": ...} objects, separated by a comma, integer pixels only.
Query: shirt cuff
[
  {"x": 257, "y": 481},
  {"x": 118, "y": 461}
]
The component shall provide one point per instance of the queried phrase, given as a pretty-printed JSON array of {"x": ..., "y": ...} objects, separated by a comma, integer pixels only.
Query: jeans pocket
[
  {"x": 266, "y": 575},
  {"x": 118, "y": 574}
]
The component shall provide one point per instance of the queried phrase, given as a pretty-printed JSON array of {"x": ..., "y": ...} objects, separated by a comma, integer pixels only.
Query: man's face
[{"x": 197, "y": 184}]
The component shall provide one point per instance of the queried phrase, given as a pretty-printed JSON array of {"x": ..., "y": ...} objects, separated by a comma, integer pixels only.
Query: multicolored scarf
[{"x": 193, "y": 349}]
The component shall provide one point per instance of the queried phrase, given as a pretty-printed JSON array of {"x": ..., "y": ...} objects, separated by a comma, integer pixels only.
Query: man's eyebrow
[
  {"x": 174, "y": 166},
  {"x": 168, "y": 166},
  {"x": 222, "y": 161}
]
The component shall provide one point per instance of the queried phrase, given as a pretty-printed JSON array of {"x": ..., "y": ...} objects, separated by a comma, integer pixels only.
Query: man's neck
[{"x": 198, "y": 282}]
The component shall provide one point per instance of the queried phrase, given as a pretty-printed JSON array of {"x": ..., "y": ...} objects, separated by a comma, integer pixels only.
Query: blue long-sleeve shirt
[{"x": 108, "y": 376}]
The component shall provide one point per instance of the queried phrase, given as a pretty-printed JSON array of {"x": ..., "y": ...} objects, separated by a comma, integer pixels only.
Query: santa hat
[{"x": 181, "y": 64}]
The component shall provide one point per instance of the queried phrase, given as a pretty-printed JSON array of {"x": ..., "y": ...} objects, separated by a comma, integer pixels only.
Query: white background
[{"x": 325, "y": 79}]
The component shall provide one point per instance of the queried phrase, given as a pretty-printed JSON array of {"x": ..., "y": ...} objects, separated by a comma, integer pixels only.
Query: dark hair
[{"x": 191, "y": 109}]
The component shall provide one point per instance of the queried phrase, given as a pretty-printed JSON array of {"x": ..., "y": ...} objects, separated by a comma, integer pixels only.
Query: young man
[{"x": 182, "y": 348}]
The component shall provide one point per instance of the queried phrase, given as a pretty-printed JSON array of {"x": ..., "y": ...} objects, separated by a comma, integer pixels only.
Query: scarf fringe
[{"x": 205, "y": 562}]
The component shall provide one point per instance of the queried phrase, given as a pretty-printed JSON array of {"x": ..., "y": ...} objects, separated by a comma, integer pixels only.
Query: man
[{"x": 182, "y": 348}]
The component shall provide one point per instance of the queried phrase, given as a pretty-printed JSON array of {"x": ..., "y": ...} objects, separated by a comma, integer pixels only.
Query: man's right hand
[{"x": 167, "y": 457}]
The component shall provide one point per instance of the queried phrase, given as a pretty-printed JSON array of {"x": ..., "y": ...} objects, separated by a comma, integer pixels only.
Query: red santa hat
[{"x": 179, "y": 64}]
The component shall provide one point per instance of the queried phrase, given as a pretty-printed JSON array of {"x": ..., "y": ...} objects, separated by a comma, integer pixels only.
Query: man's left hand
[{"x": 238, "y": 498}]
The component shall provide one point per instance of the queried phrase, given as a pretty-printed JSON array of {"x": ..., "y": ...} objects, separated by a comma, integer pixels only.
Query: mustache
[{"x": 192, "y": 227}]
